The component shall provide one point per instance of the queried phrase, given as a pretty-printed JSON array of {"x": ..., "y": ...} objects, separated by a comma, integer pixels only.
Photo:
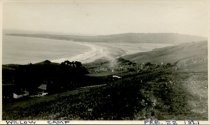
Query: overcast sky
[{"x": 106, "y": 17}]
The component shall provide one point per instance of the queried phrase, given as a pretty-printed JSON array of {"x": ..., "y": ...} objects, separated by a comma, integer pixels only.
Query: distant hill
[
  {"x": 171, "y": 38},
  {"x": 188, "y": 56}
]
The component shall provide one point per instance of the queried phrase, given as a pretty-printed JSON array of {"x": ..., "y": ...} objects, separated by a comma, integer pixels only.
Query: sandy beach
[{"x": 96, "y": 52}]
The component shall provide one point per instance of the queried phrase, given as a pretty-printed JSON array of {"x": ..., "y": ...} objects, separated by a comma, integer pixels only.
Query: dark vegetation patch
[{"x": 56, "y": 77}]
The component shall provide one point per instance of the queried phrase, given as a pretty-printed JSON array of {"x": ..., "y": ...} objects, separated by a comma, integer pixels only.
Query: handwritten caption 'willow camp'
[
  {"x": 60, "y": 122},
  {"x": 31, "y": 122}
]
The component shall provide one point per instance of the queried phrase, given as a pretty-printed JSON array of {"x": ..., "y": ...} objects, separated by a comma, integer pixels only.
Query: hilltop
[{"x": 170, "y": 38}]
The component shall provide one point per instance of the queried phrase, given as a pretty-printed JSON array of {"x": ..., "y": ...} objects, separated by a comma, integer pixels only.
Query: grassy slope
[
  {"x": 191, "y": 60},
  {"x": 188, "y": 56},
  {"x": 158, "y": 96},
  {"x": 126, "y": 98}
]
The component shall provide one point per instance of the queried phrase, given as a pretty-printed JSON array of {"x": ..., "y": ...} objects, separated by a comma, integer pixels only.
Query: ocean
[{"x": 24, "y": 50}]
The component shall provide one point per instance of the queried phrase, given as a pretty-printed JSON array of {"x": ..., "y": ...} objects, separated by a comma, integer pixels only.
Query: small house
[
  {"x": 43, "y": 87},
  {"x": 17, "y": 95},
  {"x": 42, "y": 90}
]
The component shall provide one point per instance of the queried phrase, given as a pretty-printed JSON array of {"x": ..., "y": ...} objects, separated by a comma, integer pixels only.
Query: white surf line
[{"x": 96, "y": 52}]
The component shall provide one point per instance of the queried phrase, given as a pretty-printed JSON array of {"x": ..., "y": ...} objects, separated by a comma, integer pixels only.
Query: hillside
[
  {"x": 170, "y": 38},
  {"x": 188, "y": 57},
  {"x": 190, "y": 61},
  {"x": 155, "y": 91}
]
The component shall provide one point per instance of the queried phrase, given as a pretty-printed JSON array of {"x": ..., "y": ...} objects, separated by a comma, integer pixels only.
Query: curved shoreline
[
  {"x": 108, "y": 51},
  {"x": 96, "y": 52}
]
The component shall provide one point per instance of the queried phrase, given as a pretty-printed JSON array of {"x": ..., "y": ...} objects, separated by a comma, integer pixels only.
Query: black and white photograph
[{"x": 105, "y": 60}]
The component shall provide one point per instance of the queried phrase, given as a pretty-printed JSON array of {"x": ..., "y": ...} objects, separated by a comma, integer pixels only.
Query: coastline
[
  {"x": 109, "y": 51},
  {"x": 84, "y": 52},
  {"x": 96, "y": 52}
]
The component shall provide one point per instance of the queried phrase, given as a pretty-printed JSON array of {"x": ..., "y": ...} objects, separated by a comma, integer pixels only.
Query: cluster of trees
[
  {"x": 58, "y": 77},
  {"x": 124, "y": 65}
]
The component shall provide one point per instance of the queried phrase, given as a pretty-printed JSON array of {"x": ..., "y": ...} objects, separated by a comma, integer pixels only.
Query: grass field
[{"x": 154, "y": 92}]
